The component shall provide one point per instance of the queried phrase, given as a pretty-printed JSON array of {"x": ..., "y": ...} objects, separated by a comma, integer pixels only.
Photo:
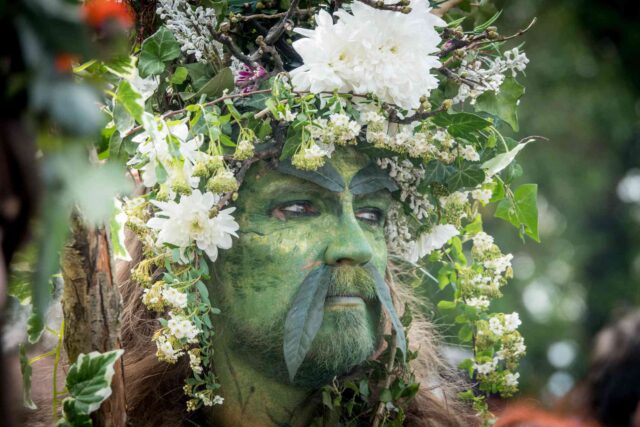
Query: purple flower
[{"x": 248, "y": 78}]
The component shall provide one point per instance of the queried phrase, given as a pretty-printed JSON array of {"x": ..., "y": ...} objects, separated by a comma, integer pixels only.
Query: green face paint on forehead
[{"x": 290, "y": 225}]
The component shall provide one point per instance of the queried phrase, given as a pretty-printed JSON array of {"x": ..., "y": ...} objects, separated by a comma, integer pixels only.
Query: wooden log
[{"x": 92, "y": 306}]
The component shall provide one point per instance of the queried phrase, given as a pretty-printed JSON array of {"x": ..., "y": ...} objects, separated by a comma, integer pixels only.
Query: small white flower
[
  {"x": 469, "y": 153},
  {"x": 166, "y": 351},
  {"x": 500, "y": 264},
  {"x": 482, "y": 195},
  {"x": 478, "y": 302},
  {"x": 218, "y": 400},
  {"x": 485, "y": 368},
  {"x": 495, "y": 326},
  {"x": 512, "y": 321},
  {"x": 511, "y": 380},
  {"x": 482, "y": 242},
  {"x": 183, "y": 328},
  {"x": 195, "y": 362},
  {"x": 175, "y": 298}
]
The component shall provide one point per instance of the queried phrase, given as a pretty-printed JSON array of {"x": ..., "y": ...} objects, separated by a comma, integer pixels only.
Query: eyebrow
[
  {"x": 326, "y": 176},
  {"x": 371, "y": 179}
]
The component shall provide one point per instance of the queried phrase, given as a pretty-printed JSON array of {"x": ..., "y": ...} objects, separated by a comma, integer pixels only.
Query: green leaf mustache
[{"x": 305, "y": 317}]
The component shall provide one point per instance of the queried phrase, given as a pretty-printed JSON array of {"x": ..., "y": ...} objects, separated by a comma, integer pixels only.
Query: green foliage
[
  {"x": 465, "y": 177},
  {"x": 384, "y": 296},
  {"x": 370, "y": 179},
  {"x": 461, "y": 125},
  {"x": 157, "y": 50},
  {"x": 521, "y": 210},
  {"x": 503, "y": 104},
  {"x": 326, "y": 176},
  {"x": 305, "y": 318},
  {"x": 27, "y": 372},
  {"x": 222, "y": 81},
  {"x": 88, "y": 384}
]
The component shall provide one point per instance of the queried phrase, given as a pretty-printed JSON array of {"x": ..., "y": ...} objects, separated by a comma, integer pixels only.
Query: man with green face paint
[{"x": 290, "y": 227}]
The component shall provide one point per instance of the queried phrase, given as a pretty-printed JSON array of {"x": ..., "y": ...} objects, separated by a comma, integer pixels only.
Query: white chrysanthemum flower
[
  {"x": 189, "y": 221},
  {"x": 435, "y": 239},
  {"x": 512, "y": 321},
  {"x": 182, "y": 328},
  {"x": 388, "y": 54},
  {"x": 175, "y": 298}
]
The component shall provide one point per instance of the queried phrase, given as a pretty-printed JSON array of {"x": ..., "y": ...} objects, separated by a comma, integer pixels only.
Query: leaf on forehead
[
  {"x": 384, "y": 296},
  {"x": 305, "y": 317},
  {"x": 371, "y": 179},
  {"x": 326, "y": 176}
]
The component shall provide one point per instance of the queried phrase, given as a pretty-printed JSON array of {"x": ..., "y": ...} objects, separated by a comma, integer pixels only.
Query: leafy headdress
[{"x": 222, "y": 85}]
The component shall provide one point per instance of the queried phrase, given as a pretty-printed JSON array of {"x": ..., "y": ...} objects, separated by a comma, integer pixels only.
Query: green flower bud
[
  {"x": 222, "y": 182},
  {"x": 200, "y": 170},
  {"x": 244, "y": 150},
  {"x": 215, "y": 163}
]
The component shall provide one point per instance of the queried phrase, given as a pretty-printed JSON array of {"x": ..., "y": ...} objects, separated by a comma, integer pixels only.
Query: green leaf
[
  {"x": 116, "y": 232},
  {"x": 214, "y": 87},
  {"x": 123, "y": 120},
  {"x": 460, "y": 125},
  {"x": 371, "y": 179},
  {"x": 204, "y": 292},
  {"x": 469, "y": 177},
  {"x": 156, "y": 51},
  {"x": 130, "y": 102},
  {"x": 35, "y": 328},
  {"x": 504, "y": 103},
  {"x": 522, "y": 210},
  {"x": 326, "y": 176},
  {"x": 199, "y": 74},
  {"x": 26, "y": 370},
  {"x": 501, "y": 161},
  {"x": 179, "y": 76},
  {"x": 72, "y": 417},
  {"x": 291, "y": 144},
  {"x": 384, "y": 296},
  {"x": 89, "y": 379},
  {"x": 446, "y": 305},
  {"x": 305, "y": 318}
]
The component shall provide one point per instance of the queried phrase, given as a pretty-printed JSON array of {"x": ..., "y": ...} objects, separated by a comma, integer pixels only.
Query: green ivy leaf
[
  {"x": 214, "y": 87},
  {"x": 384, "y": 296},
  {"x": 466, "y": 177},
  {"x": 35, "y": 327},
  {"x": 26, "y": 370},
  {"x": 156, "y": 51},
  {"x": 502, "y": 160},
  {"x": 446, "y": 305},
  {"x": 305, "y": 318},
  {"x": 522, "y": 210},
  {"x": 503, "y": 104},
  {"x": 460, "y": 125},
  {"x": 199, "y": 74},
  {"x": 130, "y": 102},
  {"x": 89, "y": 379},
  {"x": 179, "y": 76},
  {"x": 371, "y": 179},
  {"x": 72, "y": 417}
]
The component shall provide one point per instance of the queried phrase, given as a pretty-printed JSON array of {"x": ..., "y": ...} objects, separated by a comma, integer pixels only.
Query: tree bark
[{"x": 92, "y": 307}]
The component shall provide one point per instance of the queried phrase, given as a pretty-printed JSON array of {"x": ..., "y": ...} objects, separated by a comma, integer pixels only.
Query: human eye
[
  {"x": 298, "y": 208},
  {"x": 373, "y": 216}
]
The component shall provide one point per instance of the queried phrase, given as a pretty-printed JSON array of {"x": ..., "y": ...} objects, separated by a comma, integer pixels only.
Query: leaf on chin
[{"x": 305, "y": 318}]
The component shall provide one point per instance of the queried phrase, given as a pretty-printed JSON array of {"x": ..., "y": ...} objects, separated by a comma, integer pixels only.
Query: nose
[{"x": 348, "y": 244}]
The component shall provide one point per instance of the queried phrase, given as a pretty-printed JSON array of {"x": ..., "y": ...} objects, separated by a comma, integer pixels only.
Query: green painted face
[{"x": 288, "y": 227}]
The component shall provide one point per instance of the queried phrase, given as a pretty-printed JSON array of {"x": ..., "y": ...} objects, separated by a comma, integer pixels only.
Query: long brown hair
[{"x": 154, "y": 388}]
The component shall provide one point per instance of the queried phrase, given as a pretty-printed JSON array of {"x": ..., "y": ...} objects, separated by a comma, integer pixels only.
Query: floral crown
[{"x": 216, "y": 89}]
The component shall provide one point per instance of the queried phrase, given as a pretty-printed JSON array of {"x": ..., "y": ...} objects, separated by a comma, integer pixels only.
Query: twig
[
  {"x": 277, "y": 30},
  {"x": 420, "y": 115},
  {"x": 226, "y": 40},
  {"x": 297, "y": 12},
  {"x": 387, "y": 381},
  {"x": 505, "y": 38},
  {"x": 208, "y": 104},
  {"x": 402, "y": 6},
  {"x": 444, "y": 7},
  {"x": 279, "y": 65}
]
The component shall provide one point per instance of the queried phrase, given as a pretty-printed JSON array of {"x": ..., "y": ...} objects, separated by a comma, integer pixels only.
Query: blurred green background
[{"x": 583, "y": 93}]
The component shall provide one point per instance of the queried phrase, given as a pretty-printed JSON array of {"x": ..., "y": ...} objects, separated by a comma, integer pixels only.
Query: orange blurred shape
[
  {"x": 97, "y": 12},
  {"x": 521, "y": 415},
  {"x": 63, "y": 62}
]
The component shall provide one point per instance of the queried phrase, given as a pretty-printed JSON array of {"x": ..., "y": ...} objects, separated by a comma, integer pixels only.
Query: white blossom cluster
[
  {"x": 408, "y": 177},
  {"x": 426, "y": 143},
  {"x": 388, "y": 54},
  {"x": 191, "y": 27},
  {"x": 397, "y": 232},
  {"x": 487, "y": 74}
]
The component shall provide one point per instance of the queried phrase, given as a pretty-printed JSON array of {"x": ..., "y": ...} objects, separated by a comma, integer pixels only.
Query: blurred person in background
[{"x": 610, "y": 393}]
